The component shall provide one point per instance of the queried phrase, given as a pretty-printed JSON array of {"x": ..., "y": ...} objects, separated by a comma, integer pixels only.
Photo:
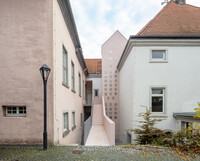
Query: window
[
  {"x": 79, "y": 78},
  {"x": 185, "y": 125},
  {"x": 15, "y": 111},
  {"x": 65, "y": 124},
  {"x": 73, "y": 120},
  {"x": 96, "y": 93},
  {"x": 65, "y": 66},
  {"x": 158, "y": 56},
  {"x": 83, "y": 89},
  {"x": 157, "y": 100},
  {"x": 81, "y": 120},
  {"x": 72, "y": 76}
]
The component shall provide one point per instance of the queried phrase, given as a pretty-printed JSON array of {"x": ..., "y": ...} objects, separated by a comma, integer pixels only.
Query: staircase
[{"x": 102, "y": 132}]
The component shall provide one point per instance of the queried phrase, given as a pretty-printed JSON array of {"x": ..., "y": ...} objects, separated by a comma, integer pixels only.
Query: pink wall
[
  {"x": 25, "y": 45},
  {"x": 111, "y": 52}
]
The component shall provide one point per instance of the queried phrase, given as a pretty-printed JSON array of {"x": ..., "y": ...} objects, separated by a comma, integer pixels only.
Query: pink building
[
  {"x": 34, "y": 33},
  {"x": 111, "y": 52}
]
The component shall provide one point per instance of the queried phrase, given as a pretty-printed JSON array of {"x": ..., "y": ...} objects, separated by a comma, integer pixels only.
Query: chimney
[{"x": 180, "y": 1}]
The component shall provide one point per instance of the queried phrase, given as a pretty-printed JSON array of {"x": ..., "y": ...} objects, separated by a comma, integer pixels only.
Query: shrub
[{"x": 148, "y": 133}]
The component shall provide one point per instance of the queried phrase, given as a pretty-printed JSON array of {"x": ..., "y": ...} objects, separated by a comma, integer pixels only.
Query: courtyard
[{"x": 81, "y": 153}]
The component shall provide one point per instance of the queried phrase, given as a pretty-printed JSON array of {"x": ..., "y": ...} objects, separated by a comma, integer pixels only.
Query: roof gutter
[{"x": 70, "y": 23}]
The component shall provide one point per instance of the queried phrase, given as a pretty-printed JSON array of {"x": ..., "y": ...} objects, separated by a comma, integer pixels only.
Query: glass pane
[
  {"x": 157, "y": 104},
  {"x": 157, "y": 91},
  {"x": 157, "y": 54}
]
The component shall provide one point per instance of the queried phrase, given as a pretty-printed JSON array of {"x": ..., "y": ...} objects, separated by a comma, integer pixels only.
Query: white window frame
[
  {"x": 17, "y": 114},
  {"x": 81, "y": 119},
  {"x": 163, "y": 60},
  {"x": 163, "y": 95},
  {"x": 67, "y": 123},
  {"x": 73, "y": 75},
  {"x": 65, "y": 66},
  {"x": 79, "y": 80},
  {"x": 73, "y": 119},
  {"x": 83, "y": 89}
]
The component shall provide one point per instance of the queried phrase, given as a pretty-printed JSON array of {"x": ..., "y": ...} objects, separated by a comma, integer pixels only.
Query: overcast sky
[{"x": 97, "y": 20}]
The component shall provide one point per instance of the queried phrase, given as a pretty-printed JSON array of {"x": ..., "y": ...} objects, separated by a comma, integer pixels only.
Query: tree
[{"x": 148, "y": 133}]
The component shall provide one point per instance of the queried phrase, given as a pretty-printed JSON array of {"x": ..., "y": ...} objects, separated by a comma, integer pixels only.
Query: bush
[
  {"x": 187, "y": 137},
  {"x": 147, "y": 133}
]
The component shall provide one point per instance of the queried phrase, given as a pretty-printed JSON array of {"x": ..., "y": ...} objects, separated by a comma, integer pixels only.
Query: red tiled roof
[
  {"x": 174, "y": 20},
  {"x": 94, "y": 66}
]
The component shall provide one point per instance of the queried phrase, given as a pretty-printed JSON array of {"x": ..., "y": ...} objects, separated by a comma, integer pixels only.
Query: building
[
  {"x": 111, "y": 52},
  {"x": 93, "y": 84},
  {"x": 159, "y": 69},
  {"x": 34, "y": 33}
]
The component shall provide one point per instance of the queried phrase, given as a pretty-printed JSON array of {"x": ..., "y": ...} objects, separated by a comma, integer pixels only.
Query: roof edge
[
  {"x": 71, "y": 26},
  {"x": 164, "y": 37}
]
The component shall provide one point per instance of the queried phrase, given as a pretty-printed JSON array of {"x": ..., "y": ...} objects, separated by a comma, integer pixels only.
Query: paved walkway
[
  {"x": 97, "y": 136},
  {"x": 81, "y": 153}
]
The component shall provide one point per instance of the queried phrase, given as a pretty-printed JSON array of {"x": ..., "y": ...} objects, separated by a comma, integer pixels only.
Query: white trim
[
  {"x": 73, "y": 118},
  {"x": 17, "y": 114},
  {"x": 163, "y": 60},
  {"x": 154, "y": 42},
  {"x": 65, "y": 111},
  {"x": 164, "y": 87}
]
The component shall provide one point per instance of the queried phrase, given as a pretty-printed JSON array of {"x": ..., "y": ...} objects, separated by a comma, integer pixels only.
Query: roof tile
[{"x": 174, "y": 20}]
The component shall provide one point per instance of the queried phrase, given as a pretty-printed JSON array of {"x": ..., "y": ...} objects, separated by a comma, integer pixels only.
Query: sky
[{"x": 97, "y": 20}]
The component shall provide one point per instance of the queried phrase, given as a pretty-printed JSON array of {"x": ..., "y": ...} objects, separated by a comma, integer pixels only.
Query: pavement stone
[{"x": 94, "y": 153}]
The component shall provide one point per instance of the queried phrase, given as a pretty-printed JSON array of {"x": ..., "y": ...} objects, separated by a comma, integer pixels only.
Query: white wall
[
  {"x": 180, "y": 76},
  {"x": 126, "y": 97},
  {"x": 96, "y": 84}
]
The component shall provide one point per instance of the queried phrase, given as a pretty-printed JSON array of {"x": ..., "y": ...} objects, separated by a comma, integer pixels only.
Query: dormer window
[{"x": 158, "y": 56}]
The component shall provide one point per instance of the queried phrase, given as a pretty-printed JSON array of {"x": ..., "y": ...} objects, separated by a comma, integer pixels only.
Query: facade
[
  {"x": 158, "y": 69},
  {"x": 93, "y": 83},
  {"x": 36, "y": 33},
  {"x": 111, "y": 52}
]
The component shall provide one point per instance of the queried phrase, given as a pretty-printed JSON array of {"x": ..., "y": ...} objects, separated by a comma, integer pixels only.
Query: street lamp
[{"x": 45, "y": 70}]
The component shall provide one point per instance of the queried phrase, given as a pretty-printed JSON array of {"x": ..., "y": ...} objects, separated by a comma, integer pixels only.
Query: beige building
[{"x": 34, "y": 33}]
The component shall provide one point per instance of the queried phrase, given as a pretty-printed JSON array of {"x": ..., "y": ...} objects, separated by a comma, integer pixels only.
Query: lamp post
[{"x": 45, "y": 70}]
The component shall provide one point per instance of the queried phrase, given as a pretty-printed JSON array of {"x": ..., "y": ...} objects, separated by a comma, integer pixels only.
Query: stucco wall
[
  {"x": 25, "y": 45},
  {"x": 179, "y": 76},
  {"x": 64, "y": 98},
  {"x": 111, "y": 52},
  {"x": 126, "y": 97}
]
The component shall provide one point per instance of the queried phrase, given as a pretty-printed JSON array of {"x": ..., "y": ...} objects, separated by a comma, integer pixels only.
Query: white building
[{"x": 159, "y": 68}]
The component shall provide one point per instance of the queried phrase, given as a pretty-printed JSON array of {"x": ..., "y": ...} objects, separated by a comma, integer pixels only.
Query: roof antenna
[{"x": 165, "y": 1}]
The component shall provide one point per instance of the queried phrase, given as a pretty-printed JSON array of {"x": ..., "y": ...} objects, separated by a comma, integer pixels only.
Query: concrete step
[{"x": 97, "y": 136}]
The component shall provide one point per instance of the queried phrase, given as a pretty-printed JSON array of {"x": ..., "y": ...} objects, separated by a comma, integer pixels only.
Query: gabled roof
[
  {"x": 116, "y": 32},
  {"x": 94, "y": 66},
  {"x": 174, "y": 20}
]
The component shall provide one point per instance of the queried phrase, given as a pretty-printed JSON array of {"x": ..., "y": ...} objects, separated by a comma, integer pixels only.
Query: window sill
[
  {"x": 66, "y": 132},
  {"x": 73, "y": 91},
  {"x": 73, "y": 127},
  {"x": 158, "y": 115},
  {"x": 14, "y": 117},
  {"x": 65, "y": 85},
  {"x": 158, "y": 61}
]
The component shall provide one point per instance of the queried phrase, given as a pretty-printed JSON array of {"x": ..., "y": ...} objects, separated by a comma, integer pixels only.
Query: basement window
[{"x": 14, "y": 111}]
